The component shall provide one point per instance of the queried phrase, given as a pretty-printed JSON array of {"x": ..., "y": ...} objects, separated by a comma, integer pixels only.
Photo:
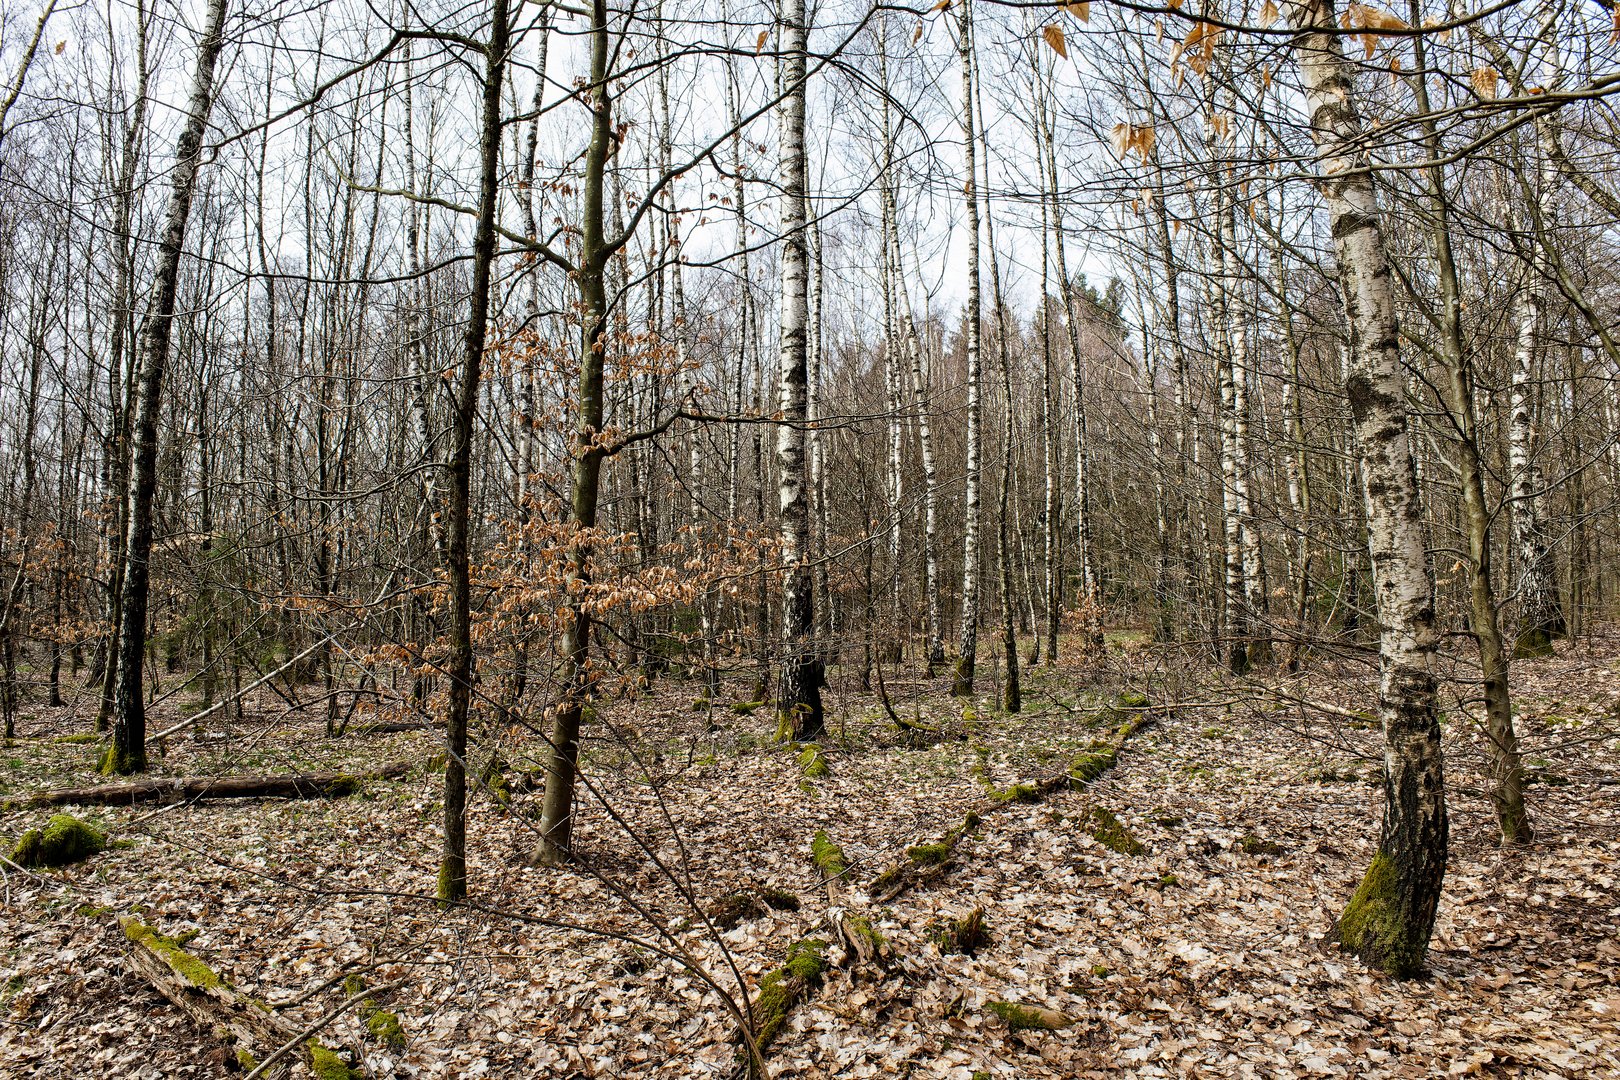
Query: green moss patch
[
  {"x": 328, "y": 1064},
  {"x": 1090, "y": 765},
  {"x": 188, "y": 967},
  {"x": 783, "y": 988},
  {"x": 1111, "y": 833},
  {"x": 1374, "y": 925},
  {"x": 1258, "y": 845},
  {"x": 382, "y": 1024},
  {"x": 828, "y": 856},
  {"x": 929, "y": 854},
  {"x": 813, "y": 763},
  {"x": 64, "y": 840}
]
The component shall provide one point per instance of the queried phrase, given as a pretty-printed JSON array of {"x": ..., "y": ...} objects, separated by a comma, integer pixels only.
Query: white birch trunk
[
  {"x": 1389, "y": 920},
  {"x": 963, "y": 683},
  {"x": 799, "y": 700}
]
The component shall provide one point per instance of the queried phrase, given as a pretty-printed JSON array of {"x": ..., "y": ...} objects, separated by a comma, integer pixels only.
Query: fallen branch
[
  {"x": 248, "y": 1026},
  {"x": 924, "y": 862},
  {"x": 913, "y": 731},
  {"x": 921, "y": 863},
  {"x": 331, "y": 785}
]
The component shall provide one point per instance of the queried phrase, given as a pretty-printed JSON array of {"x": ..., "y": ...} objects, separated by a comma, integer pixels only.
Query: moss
[
  {"x": 783, "y": 988},
  {"x": 245, "y": 1061},
  {"x": 813, "y": 763},
  {"x": 353, "y": 985},
  {"x": 1373, "y": 926},
  {"x": 329, "y": 1065},
  {"x": 122, "y": 763},
  {"x": 1029, "y": 1018},
  {"x": 1256, "y": 845},
  {"x": 860, "y": 926},
  {"x": 82, "y": 739},
  {"x": 1018, "y": 793},
  {"x": 929, "y": 854},
  {"x": 1111, "y": 833},
  {"x": 1099, "y": 971},
  {"x": 828, "y": 856},
  {"x": 747, "y": 708},
  {"x": 1168, "y": 881},
  {"x": 702, "y": 704},
  {"x": 1090, "y": 765},
  {"x": 776, "y": 999},
  {"x": 182, "y": 963},
  {"x": 64, "y": 840},
  {"x": 1132, "y": 699},
  {"x": 384, "y": 1026},
  {"x": 1168, "y": 821},
  {"x": 450, "y": 890},
  {"x": 806, "y": 959}
]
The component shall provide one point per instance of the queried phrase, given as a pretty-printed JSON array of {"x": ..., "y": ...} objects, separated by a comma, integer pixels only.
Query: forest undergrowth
[{"x": 1200, "y": 949}]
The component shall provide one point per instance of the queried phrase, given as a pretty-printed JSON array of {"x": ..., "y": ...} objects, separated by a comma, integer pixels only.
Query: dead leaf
[{"x": 1053, "y": 35}]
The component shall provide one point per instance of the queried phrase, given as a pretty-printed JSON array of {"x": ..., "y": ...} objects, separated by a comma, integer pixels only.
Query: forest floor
[{"x": 1206, "y": 954}]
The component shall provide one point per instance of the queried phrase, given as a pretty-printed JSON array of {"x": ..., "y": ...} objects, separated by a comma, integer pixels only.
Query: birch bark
[{"x": 1389, "y": 920}]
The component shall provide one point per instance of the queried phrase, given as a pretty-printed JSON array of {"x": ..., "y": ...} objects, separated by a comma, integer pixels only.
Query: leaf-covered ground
[{"x": 1205, "y": 955}]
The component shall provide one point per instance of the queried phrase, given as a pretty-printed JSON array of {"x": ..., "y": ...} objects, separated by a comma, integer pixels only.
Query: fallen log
[
  {"x": 247, "y": 1026},
  {"x": 328, "y": 785},
  {"x": 924, "y": 862}
]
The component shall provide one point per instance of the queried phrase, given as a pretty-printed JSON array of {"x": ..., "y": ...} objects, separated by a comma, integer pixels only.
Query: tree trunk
[
  {"x": 1389, "y": 920},
  {"x": 799, "y": 713},
  {"x": 962, "y": 685},
  {"x": 562, "y": 756},
  {"x": 459, "y": 669},
  {"x": 128, "y": 751}
]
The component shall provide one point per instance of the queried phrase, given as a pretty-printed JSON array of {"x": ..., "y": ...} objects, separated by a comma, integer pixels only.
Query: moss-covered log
[
  {"x": 828, "y": 856},
  {"x": 247, "y": 1025},
  {"x": 327, "y": 785},
  {"x": 964, "y": 936},
  {"x": 382, "y": 1024},
  {"x": 864, "y": 945},
  {"x": 785, "y": 987},
  {"x": 1111, "y": 833},
  {"x": 1029, "y": 1017},
  {"x": 63, "y": 840},
  {"x": 922, "y": 862}
]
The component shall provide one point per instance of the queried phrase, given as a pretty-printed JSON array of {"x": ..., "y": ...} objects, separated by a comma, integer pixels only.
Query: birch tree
[{"x": 1391, "y": 916}]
